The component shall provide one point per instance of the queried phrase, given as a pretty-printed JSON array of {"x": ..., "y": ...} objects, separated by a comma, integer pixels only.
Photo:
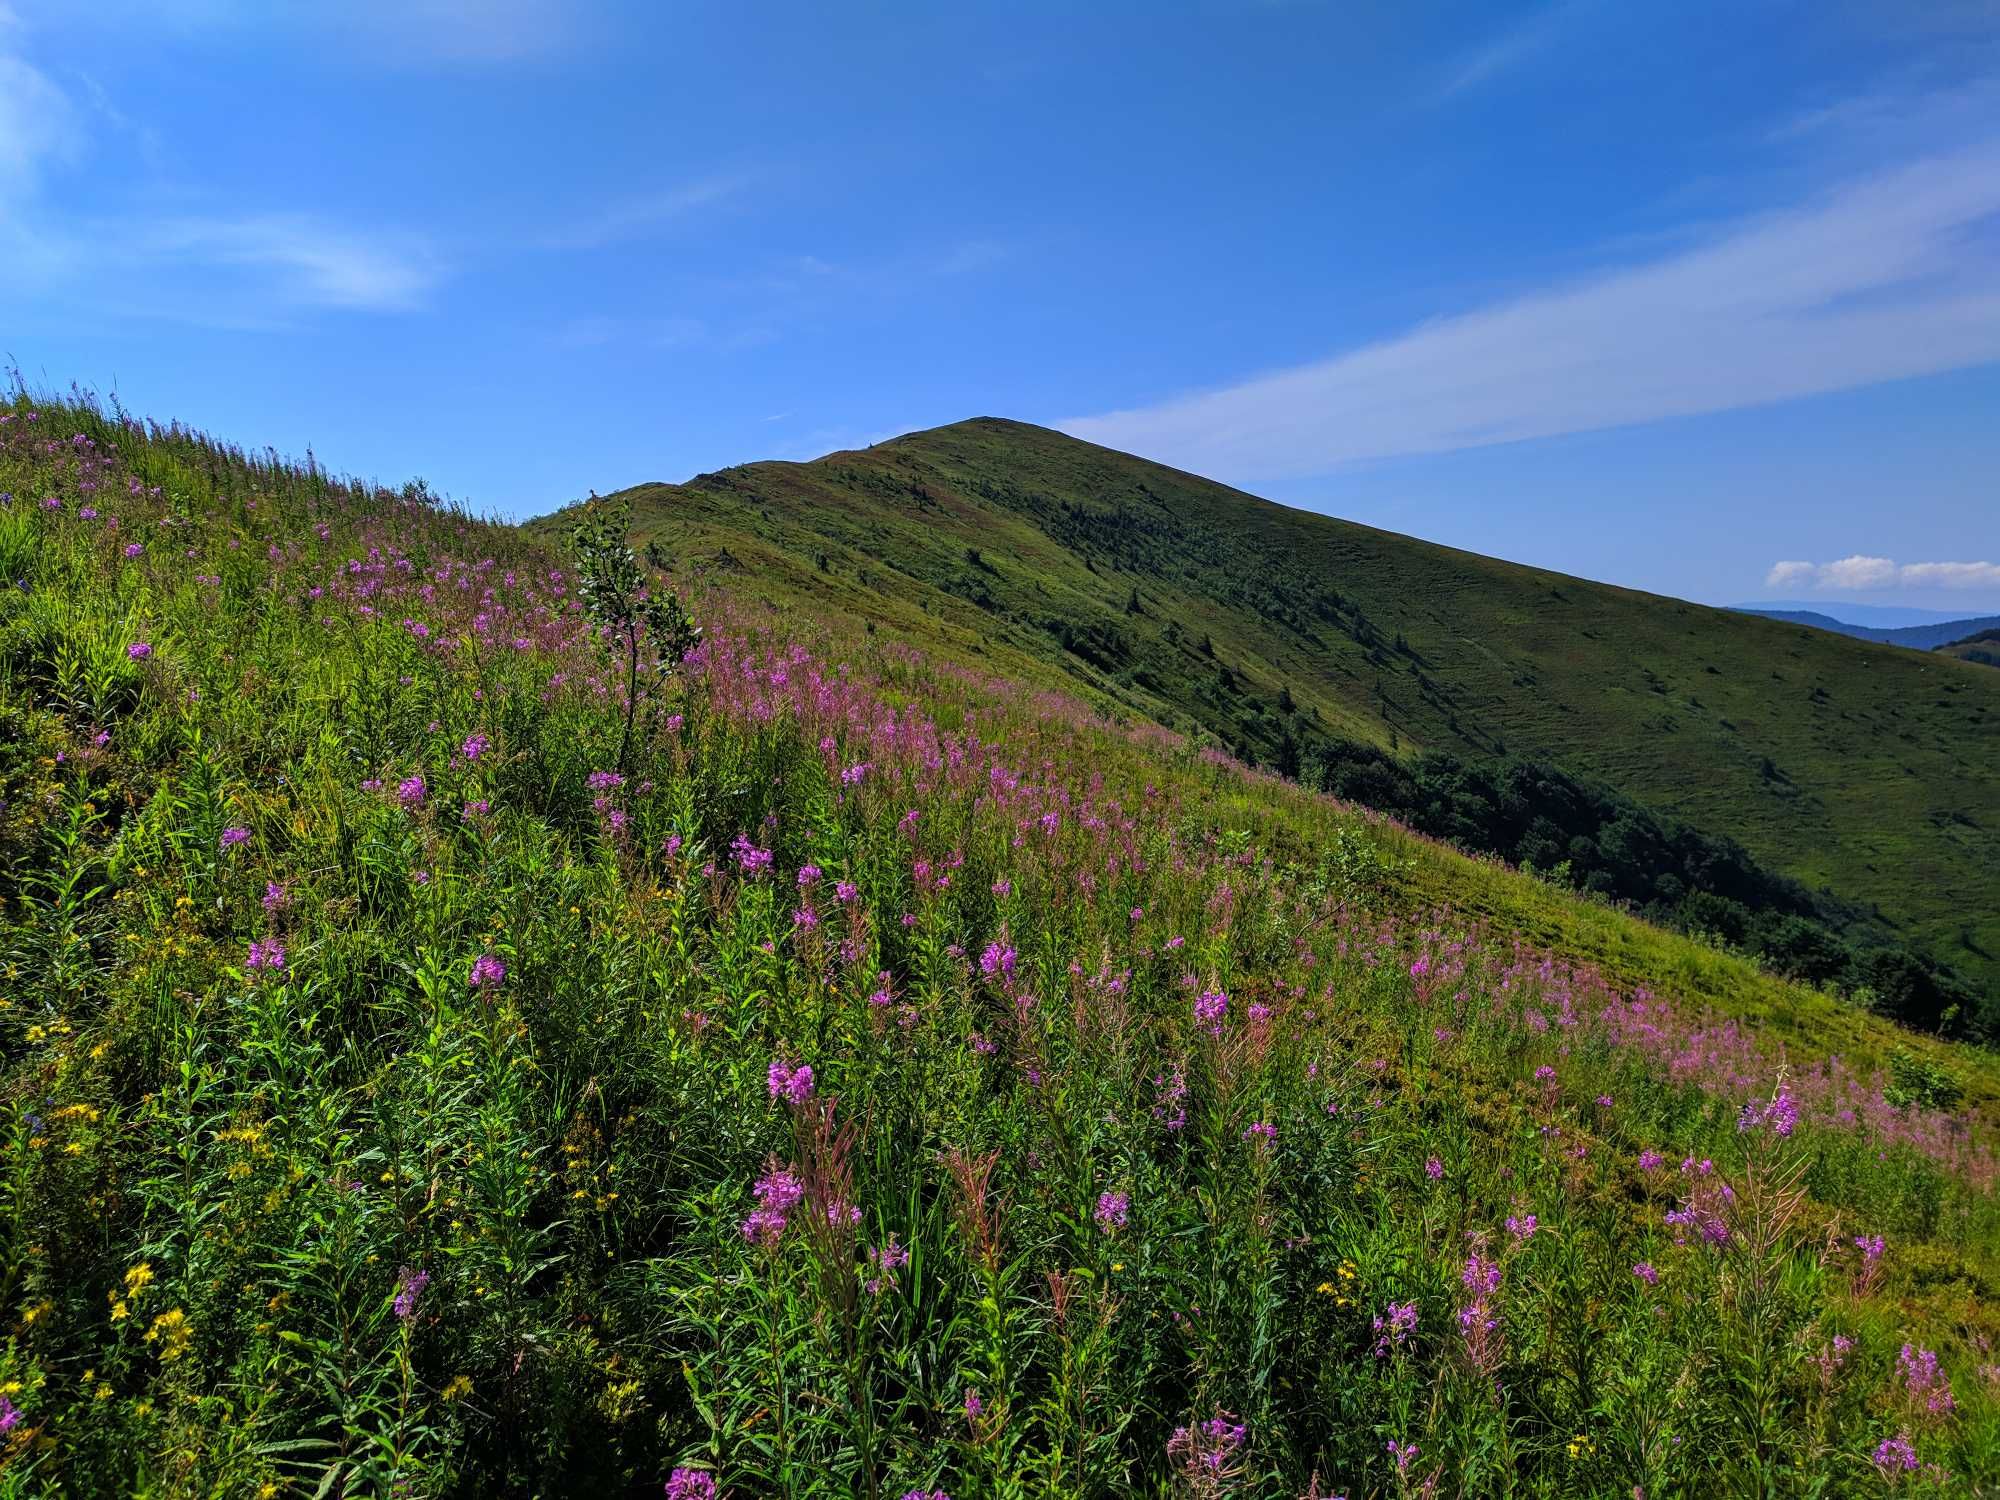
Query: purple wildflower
[
  {"x": 1211, "y": 1008},
  {"x": 1924, "y": 1383},
  {"x": 690, "y": 1484},
  {"x": 794, "y": 1084},
  {"x": 410, "y": 792},
  {"x": 409, "y": 1287},
  {"x": 1393, "y": 1330},
  {"x": 487, "y": 972},
  {"x": 231, "y": 837},
  {"x": 778, "y": 1193},
  {"x": 1113, "y": 1208},
  {"x": 266, "y": 953},
  {"x": 139, "y": 650},
  {"x": 1645, "y": 1272},
  {"x": 474, "y": 746},
  {"x": 1895, "y": 1456},
  {"x": 1434, "y": 1169}
]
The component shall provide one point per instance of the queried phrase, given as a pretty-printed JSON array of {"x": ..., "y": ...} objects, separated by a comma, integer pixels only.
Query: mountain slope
[
  {"x": 1983, "y": 648},
  {"x": 884, "y": 1081},
  {"x": 1866, "y": 770}
]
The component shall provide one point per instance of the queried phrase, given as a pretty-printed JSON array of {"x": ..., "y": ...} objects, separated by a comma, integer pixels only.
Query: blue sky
[{"x": 1669, "y": 295}]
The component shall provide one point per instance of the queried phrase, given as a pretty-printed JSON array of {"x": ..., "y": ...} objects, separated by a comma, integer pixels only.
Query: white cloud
[
  {"x": 1886, "y": 278},
  {"x": 1863, "y": 573},
  {"x": 301, "y": 260}
]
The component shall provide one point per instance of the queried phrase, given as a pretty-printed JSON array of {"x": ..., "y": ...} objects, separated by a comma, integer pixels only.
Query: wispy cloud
[
  {"x": 38, "y": 127},
  {"x": 233, "y": 269},
  {"x": 1860, "y": 574},
  {"x": 301, "y": 260},
  {"x": 390, "y": 34},
  {"x": 1896, "y": 274},
  {"x": 647, "y": 213},
  {"x": 1519, "y": 44}
]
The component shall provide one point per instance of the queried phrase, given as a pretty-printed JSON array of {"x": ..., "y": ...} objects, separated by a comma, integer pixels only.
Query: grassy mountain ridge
[{"x": 1863, "y": 769}]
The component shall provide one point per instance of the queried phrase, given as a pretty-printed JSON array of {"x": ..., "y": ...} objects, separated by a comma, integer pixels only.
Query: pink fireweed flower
[
  {"x": 691, "y": 1484},
  {"x": 792, "y": 1084},
  {"x": 1113, "y": 1208},
  {"x": 1262, "y": 1133},
  {"x": 884, "y": 1261},
  {"x": 231, "y": 837},
  {"x": 474, "y": 746},
  {"x": 1895, "y": 1456},
  {"x": 779, "y": 1191},
  {"x": 1434, "y": 1169},
  {"x": 974, "y": 1407},
  {"x": 809, "y": 876},
  {"x": 134, "y": 549},
  {"x": 10, "y": 1416},
  {"x": 268, "y": 953},
  {"x": 1003, "y": 888},
  {"x": 1651, "y": 1161},
  {"x": 1924, "y": 1383},
  {"x": 1645, "y": 1272},
  {"x": 410, "y": 792},
  {"x": 1545, "y": 1074},
  {"x": 1522, "y": 1227},
  {"x": 750, "y": 859},
  {"x": 1871, "y": 1247},
  {"x": 409, "y": 1287},
  {"x": 276, "y": 897},
  {"x": 997, "y": 962},
  {"x": 1831, "y": 1360},
  {"x": 1404, "y": 1454},
  {"x": 1211, "y": 1010},
  {"x": 139, "y": 650},
  {"x": 1393, "y": 1329},
  {"x": 487, "y": 972},
  {"x": 1209, "y": 1453}
]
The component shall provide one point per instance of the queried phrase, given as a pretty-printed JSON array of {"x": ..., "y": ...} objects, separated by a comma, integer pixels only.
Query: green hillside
[
  {"x": 1865, "y": 769},
  {"x": 456, "y": 1041},
  {"x": 1982, "y": 648}
]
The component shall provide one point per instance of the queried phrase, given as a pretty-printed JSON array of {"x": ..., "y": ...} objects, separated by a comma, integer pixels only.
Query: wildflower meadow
[{"x": 483, "y": 1019}]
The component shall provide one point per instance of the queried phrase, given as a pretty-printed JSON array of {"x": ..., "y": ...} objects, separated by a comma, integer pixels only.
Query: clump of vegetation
[
  {"x": 424, "y": 1075},
  {"x": 1586, "y": 834}
]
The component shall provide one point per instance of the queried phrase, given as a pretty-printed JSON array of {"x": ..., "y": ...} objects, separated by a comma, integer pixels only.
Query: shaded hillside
[
  {"x": 1866, "y": 770},
  {"x": 1983, "y": 648}
]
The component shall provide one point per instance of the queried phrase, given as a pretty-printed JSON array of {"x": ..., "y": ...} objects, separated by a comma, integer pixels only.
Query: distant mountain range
[
  {"x": 1875, "y": 616},
  {"x": 1925, "y": 637}
]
